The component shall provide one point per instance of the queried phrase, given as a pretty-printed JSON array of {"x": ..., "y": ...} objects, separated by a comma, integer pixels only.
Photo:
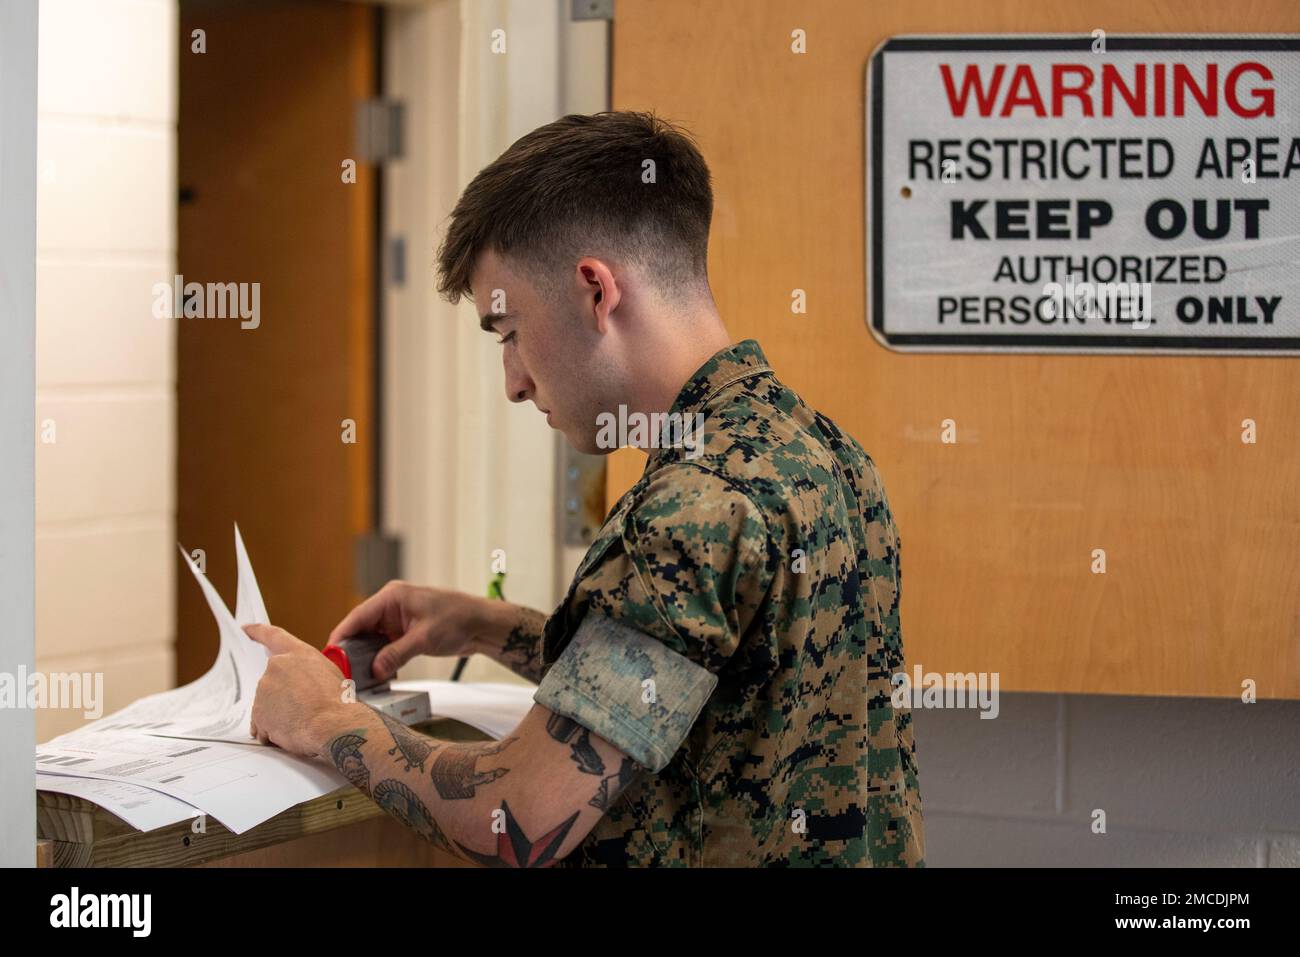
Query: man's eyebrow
[{"x": 491, "y": 319}]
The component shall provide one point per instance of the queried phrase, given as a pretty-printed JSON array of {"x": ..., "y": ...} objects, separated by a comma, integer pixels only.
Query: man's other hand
[
  {"x": 416, "y": 621},
  {"x": 302, "y": 699}
]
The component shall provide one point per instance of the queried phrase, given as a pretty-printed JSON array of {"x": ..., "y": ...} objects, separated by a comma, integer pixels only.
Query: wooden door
[
  {"x": 266, "y": 122},
  {"x": 1067, "y": 453}
]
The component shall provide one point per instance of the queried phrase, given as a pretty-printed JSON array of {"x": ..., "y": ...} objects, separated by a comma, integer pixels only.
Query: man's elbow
[{"x": 524, "y": 823}]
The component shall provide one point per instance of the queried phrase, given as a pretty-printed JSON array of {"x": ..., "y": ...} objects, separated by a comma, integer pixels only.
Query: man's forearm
[
  {"x": 512, "y": 635},
  {"x": 439, "y": 789}
]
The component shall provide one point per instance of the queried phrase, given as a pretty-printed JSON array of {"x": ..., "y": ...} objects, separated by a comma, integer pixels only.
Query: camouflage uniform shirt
[{"x": 733, "y": 629}]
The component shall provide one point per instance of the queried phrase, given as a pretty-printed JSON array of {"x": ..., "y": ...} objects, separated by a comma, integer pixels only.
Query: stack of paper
[{"x": 186, "y": 752}]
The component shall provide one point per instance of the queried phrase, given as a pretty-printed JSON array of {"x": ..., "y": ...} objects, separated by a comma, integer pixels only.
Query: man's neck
[{"x": 674, "y": 356}]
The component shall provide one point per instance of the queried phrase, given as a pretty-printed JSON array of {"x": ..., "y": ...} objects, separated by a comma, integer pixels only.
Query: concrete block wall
[
  {"x": 105, "y": 367},
  {"x": 1183, "y": 782}
]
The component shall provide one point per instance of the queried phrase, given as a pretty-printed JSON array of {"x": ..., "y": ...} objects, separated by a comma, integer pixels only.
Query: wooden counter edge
[{"x": 72, "y": 832}]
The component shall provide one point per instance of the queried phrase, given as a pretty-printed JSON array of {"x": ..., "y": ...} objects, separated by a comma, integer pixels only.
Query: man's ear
[{"x": 599, "y": 283}]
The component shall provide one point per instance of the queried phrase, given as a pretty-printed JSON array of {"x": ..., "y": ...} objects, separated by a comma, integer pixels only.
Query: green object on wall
[{"x": 495, "y": 590}]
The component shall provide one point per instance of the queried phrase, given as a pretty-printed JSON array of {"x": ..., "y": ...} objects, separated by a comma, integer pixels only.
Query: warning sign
[{"x": 1085, "y": 194}]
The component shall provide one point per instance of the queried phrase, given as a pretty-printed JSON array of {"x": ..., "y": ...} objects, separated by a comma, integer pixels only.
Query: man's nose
[{"x": 519, "y": 387}]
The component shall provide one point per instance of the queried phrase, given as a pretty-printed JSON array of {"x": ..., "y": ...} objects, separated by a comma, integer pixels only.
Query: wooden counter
[{"x": 341, "y": 829}]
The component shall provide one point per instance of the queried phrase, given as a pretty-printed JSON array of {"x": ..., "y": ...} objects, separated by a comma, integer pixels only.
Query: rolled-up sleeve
[{"x": 632, "y": 690}]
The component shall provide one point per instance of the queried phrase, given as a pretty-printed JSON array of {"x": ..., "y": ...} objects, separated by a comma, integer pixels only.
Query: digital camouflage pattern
[
  {"x": 633, "y": 690},
  {"x": 770, "y": 559}
]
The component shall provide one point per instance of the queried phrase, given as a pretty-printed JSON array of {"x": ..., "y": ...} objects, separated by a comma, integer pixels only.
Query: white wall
[
  {"x": 17, "y": 290},
  {"x": 105, "y": 367}
]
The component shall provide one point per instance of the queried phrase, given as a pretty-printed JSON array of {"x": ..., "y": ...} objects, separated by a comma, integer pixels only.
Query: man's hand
[
  {"x": 300, "y": 702},
  {"x": 416, "y": 621}
]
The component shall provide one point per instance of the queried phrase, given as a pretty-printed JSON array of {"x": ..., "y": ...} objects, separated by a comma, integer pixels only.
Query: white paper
[
  {"x": 249, "y": 607},
  {"x": 240, "y": 786},
  {"x": 189, "y": 747},
  {"x": 492, "y": 707},
  {"x": 142, "y": 808},
  {"x": 246, "y": 657},
  {"x": 217, "y": 705},
  {"x": 191, "y": 743}
]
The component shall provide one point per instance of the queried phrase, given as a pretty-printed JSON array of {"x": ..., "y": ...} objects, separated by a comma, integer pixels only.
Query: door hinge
[
  {"x": 378, "y": 561},
  {"x": 591, "y": 9},
  {"x": 397, "y": 261},
  {"x": 380, "y": 125}
]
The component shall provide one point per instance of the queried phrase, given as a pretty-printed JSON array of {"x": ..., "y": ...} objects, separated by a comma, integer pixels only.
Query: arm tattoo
[
  {"x": 391, "y": 795},
  {"x": 515, "y": 849},
  {"x": 405, "y": 805},
  {"x": 567, "y": 731},
  {"x": 455, "y": 774},
  {"x": 612, "y": 786},
  {"x": 415, "y": 748},
  {"x": 521, "y": 651},
  {"x": 345, "y": 752}
]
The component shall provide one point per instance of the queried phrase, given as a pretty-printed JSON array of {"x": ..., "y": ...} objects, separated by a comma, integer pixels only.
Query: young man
[{"x": 715, "y": 688}]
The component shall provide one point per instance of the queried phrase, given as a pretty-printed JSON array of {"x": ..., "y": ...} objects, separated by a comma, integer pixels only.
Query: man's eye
[{"x": 506, "y": 338}]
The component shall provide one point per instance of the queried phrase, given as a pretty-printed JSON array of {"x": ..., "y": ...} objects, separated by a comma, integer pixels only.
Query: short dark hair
[{"x": 577, "y": 187}]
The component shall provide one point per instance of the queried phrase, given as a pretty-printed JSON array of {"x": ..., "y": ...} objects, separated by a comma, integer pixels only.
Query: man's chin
[{"x": 585, "y": 444}]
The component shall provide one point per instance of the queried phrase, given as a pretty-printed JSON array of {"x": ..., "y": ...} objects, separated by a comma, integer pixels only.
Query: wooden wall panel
[{"x": 1057, "y": 455}]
